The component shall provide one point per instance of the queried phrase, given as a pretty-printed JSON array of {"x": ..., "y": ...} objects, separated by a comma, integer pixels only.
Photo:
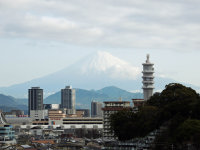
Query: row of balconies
[{"x": 109, "y": 112}]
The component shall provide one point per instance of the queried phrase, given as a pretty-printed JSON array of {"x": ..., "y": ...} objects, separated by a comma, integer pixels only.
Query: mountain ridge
[
  {"x": 85, "y": 97},
  {"x": 8, "y": 103}
]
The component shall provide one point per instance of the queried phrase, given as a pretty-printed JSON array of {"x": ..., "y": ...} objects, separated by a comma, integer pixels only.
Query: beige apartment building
[{"x": 111, "y": 107}]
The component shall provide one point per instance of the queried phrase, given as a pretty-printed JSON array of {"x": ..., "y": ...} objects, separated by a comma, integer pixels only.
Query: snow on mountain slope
[
  {"x": 92, "y": 72},
  {"x": 104, "y": 63}
]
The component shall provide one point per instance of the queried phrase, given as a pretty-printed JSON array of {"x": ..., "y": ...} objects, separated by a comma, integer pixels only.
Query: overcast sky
[{"x": 38, "y": 37}]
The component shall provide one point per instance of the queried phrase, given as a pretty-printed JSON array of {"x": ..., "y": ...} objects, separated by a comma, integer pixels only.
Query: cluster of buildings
[
  {"x": 62, "y": 114},
  {"x": 66, "y": 116}
]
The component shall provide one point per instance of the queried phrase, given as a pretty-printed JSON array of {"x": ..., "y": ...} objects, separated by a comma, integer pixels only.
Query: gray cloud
[{"x": 169, "y": 24}]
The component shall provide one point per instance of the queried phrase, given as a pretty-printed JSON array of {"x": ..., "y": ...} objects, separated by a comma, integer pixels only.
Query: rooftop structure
[{"x": 51, "y": 106}]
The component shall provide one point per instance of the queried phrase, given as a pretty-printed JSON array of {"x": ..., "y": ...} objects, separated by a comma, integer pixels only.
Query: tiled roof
[{"x": 44, "y": 141}]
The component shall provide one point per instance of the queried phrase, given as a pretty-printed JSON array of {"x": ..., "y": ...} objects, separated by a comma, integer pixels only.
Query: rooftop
[{"x": 119, "y": 102}]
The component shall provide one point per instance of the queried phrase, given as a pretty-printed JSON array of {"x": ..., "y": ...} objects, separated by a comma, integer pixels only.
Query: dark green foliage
[
  {"x": 172, "y": 92},
  {"x": 176, "y": 109},
  {"x": 128, "y": 125},
  {"x": 188, "y": 131},
  {"x": 121, "y": 128},
  {"x": 146, "y": 121}
]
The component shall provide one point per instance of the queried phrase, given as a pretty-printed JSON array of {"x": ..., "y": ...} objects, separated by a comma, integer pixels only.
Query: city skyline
[{"x": 41, "y": 37}]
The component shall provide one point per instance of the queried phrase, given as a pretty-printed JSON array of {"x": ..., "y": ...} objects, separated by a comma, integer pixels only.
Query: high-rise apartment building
[
  {"x": 148, "y": 77},
  {"x": 96, "y": 109},
  {"x": 111, "y": 107},
  {"x": 35, "y": 99},
  {"x": 68, "y": 97}
]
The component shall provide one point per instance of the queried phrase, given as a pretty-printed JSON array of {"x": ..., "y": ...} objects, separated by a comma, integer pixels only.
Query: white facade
[
  {"x": 55, "y": 106},
  {"x": 77, "y": 122},
  {"x": 148, "y": 79},
  {"x": 38, "y": 114},
  {"x": 71, "y": 123},
  {"x": 75, "y": 126}
]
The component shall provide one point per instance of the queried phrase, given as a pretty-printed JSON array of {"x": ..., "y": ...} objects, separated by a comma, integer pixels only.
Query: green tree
[
  {"x": 121, "y": 123},
  {"x": 176, "y": 108}
]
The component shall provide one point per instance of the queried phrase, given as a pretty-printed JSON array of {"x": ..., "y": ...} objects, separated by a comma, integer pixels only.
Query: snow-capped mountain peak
[{"x": 104, "y": 63}]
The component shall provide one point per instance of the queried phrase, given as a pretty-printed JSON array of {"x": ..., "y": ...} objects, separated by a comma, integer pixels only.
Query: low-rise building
[
  {"x": 14, "y": 113},
  {"x": 82, "y": 121},
  {"x": 68, "y": 123},
  {"x": 40, "y": 122},
  {"x": 51, "y": 106},
  {"x": 19, "y": 121},
  {"x": 79, "y": 113},
  {"x": 86, "y": 112},
  {"x": 7, "y": 135},
  {"x": 38, "y": 114},
  {"x": 75, "y": 122},
  {"x": 56, "y": 114}
]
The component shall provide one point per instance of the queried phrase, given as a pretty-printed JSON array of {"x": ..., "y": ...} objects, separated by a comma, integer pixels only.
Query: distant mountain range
[
  {"x": 8, "y": 103},
  {"x": 84, "y": 97},
  {"x": 93, "y": 72}
]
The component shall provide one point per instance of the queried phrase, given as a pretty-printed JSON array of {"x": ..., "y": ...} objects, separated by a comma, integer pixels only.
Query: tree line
[{"x": 176, "y": 110}]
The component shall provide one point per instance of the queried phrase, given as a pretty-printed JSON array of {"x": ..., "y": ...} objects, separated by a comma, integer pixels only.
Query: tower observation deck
[{"x": 148, "y": 79}]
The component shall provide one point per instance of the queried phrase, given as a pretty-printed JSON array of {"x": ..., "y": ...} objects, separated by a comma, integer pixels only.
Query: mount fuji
[{"x": 92, "y": 72}]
